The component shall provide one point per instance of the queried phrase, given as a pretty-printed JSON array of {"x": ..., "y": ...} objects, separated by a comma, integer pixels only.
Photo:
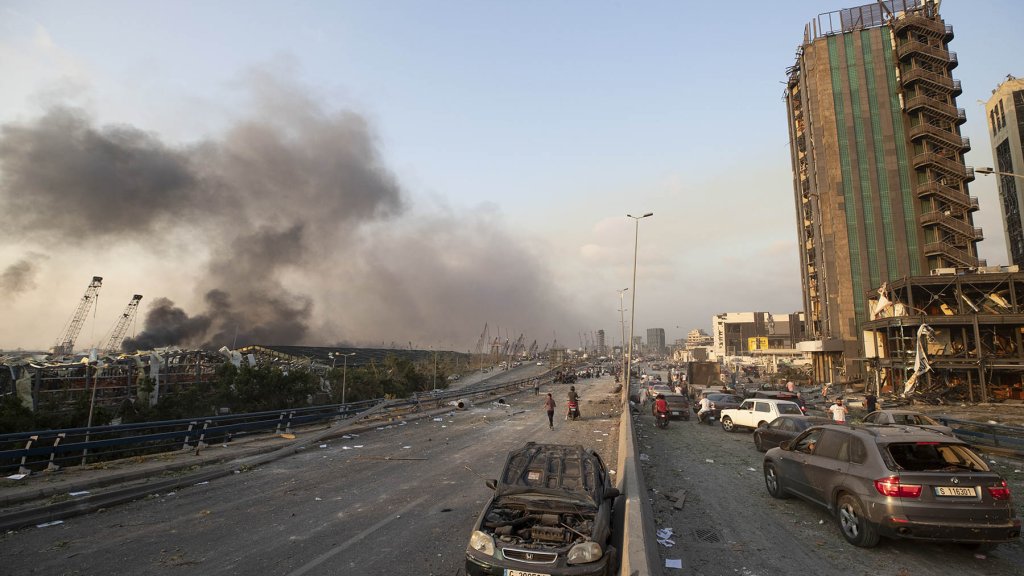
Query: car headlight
[
  {"x": 482, "y": 542},
  {"x": 585, "y": 552}
]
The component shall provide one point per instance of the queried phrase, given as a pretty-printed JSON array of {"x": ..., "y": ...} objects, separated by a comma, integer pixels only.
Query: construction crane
[
  {"x": 121, "y": 328},
  {"x": 66, "y": 342},
  {"x": 480, "y": 342}
]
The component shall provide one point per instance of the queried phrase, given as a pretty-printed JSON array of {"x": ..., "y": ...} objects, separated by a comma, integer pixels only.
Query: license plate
[
  {"x": 676, "y": 413},
  {"x": 521, "y": 573},
  {"x": 954, "y": 491}
]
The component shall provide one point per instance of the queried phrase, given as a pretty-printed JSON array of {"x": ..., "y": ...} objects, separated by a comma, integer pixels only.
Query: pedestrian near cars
[
  {"x": 549, "y": 405},
  {"x": 871, "y": 402},
  {"x": 838, "y": 411}
]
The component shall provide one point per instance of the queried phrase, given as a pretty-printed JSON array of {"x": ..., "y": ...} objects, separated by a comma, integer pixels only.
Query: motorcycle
[
  {"x": 661, "y": 419},
  {"x": 707, "y": 417},
  {"x": 574, "y": 410}
]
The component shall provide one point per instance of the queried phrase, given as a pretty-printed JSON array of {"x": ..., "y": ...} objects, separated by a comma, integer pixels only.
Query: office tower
[
  {"x": 878, "y": 166},
  {"x": 1005, "y": 113},
  {"x": 655, "y": 341}
]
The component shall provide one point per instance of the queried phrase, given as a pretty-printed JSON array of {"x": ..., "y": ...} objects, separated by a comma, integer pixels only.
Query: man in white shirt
[{"x": 838, "y": 411}]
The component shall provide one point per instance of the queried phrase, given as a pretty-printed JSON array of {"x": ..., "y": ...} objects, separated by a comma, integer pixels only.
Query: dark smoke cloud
[
  {"x": 306, "y": 234},
  {"x": 66, "y": 178},
  {"x": 168, "y": 325},
  {"x": 20, "y": 276}
]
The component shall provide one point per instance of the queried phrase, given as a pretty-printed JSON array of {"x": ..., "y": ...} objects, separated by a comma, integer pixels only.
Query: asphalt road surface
[
  {"x": 396, "y": 500},
  {"x": 728, "y": 524}
]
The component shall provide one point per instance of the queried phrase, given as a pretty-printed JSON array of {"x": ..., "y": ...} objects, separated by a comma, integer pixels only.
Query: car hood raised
[{"x": 565, "y": 472}]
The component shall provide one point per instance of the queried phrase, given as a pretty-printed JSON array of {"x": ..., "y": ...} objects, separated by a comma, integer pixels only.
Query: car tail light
[
  {"x": 1000, "y": 492},
  {"x": 891, "y": 486}
]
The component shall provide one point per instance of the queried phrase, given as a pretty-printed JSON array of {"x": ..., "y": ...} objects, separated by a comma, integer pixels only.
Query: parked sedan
[
  {"x": 720, "y": 402},
  {"x": 897, "y": 482},
  {"x": 784, "y": 428},
  {"x": 906, "y": 418},
  {"x": 678, "y": 406},
  {"x": 550, "y": 514}
]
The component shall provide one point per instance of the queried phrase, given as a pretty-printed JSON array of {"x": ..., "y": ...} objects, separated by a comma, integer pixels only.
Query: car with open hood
[{"x": 550, "y": 514}]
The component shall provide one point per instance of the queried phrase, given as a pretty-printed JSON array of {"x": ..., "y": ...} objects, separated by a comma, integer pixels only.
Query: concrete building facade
[
  {"x": 880, "y": 184},
  {"x": 1005, "y": 113},
  {"x": 751, "y": 333},
  {"x": 655, "y": 341}
]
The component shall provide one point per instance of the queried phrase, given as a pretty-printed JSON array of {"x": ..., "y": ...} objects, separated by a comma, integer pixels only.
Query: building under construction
[
  {"x": 878, "y": 167},
  {"x": 956, "y": 335}
]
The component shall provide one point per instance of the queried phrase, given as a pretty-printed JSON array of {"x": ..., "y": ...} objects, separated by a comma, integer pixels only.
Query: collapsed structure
[{"x": 956, "y": 335}]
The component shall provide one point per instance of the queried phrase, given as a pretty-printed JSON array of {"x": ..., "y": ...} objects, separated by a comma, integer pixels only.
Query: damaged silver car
[{"x": 550, "y": 514}]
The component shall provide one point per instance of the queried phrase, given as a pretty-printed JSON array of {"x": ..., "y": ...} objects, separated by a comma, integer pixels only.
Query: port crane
[
  {"x": 66, "y": 342},
  {"x": 120, "y": 329}
]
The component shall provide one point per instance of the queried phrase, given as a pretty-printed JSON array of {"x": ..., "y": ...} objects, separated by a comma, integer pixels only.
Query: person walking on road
[
  {"x": 838, "y": 411},
  {"x": 549, "y": 405}
]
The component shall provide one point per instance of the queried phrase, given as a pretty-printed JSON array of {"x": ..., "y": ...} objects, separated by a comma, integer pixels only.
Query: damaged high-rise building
[{"x": 878, "y": 167}]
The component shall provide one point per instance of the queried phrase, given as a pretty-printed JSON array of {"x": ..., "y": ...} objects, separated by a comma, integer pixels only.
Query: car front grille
[{"x": 530, "y": 556}]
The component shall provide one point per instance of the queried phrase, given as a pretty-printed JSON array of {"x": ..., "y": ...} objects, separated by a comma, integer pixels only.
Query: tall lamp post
[
  {"x": 632, "y": 312},
  {"x": 622, "y": 323},
  {"x": 344, "y": 369}
]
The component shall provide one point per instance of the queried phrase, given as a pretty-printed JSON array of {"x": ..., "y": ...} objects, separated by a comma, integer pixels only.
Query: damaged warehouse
[{"x": 954, "y": 336}]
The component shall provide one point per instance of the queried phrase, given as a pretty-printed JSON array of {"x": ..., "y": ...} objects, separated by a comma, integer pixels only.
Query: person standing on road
[
  {"x": 549, "y": 405},
  {"x": 536, "y": 386},
  {"x": 871, "y": 402},
  {"x": 838, "y": 411}
]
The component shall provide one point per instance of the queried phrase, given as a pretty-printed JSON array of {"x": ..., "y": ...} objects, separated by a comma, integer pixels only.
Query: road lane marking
[{"x": 355, "y": 539}]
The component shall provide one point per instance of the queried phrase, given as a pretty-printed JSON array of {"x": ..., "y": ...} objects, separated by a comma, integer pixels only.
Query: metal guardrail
[
  {"x": 26, "y": 452},
  {"x": 1002, "y": 438}
]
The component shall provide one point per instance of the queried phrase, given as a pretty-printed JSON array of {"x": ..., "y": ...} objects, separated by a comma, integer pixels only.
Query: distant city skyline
[{"x": 357, "y": 172}]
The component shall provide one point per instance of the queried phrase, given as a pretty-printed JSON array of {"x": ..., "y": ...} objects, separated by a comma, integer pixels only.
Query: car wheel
[
  {"x": 773, "y": 483},
  {"x": 727, "y": 424},
  {"x": 686, "y": 415},
  {"x": 758, "y": 443},
  {"x": 855, "y": 527},
  {"x": 762, "y": 423}
]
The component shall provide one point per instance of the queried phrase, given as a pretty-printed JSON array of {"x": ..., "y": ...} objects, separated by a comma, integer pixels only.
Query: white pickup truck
[{"x": 755, "y": 411}]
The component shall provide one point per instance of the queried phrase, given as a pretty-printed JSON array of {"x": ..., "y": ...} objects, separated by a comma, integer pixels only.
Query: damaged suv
[{"x": 550, "y": 514}]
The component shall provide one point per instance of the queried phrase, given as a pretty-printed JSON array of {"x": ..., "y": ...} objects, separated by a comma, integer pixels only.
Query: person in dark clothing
[{"x": 871, "y": 402}]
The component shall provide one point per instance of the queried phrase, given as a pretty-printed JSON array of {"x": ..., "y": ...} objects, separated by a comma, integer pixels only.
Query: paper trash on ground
[
  {"x": 79, "y": 493},
  {"x": 45, "y": 524},
  {"x": 16, "y": 476},
  {"x": 673, "y": 563}
]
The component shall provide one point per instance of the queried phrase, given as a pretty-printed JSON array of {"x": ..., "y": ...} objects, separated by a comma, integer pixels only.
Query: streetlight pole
[
  {"x": 988, "y": 170},
  {"x": 622, "y": 324},
  {"x": 344, "y": 375},
  {"x": 632, "y": 312}
]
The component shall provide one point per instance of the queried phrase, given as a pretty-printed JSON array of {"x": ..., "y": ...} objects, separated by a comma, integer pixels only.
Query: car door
[
  {"x": 744, "y": 414},
  {"x": 827, "y": 465},
  {"x": 793, "y": 463},
  {"x": 779, "y": 430}
]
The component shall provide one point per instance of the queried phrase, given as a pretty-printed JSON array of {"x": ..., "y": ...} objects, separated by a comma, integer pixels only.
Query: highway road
[{"x": 400, "y": 499}]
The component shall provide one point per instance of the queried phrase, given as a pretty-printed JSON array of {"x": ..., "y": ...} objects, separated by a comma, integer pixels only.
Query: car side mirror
[
  {"x": 492, "y": 484},
  {"x": 785, "y": 445},
  {"x": 611, "y": 493}
]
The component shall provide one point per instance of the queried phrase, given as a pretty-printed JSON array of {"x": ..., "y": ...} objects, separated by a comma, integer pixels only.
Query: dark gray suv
[{"x": 895, "y": 481}]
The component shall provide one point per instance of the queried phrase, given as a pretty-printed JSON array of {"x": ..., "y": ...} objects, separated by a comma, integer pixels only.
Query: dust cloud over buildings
[{"x": 295, "y": 227}]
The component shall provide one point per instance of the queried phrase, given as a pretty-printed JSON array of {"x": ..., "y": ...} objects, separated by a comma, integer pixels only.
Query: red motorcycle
[{"x": 574, "y": 410}]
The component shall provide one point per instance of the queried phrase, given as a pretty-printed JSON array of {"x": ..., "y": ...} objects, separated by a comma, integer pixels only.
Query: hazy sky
[{"x": 403, "y": 172}]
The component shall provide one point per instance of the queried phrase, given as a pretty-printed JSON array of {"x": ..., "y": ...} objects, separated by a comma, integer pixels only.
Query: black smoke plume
[{"x": 305, "y": 235}]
